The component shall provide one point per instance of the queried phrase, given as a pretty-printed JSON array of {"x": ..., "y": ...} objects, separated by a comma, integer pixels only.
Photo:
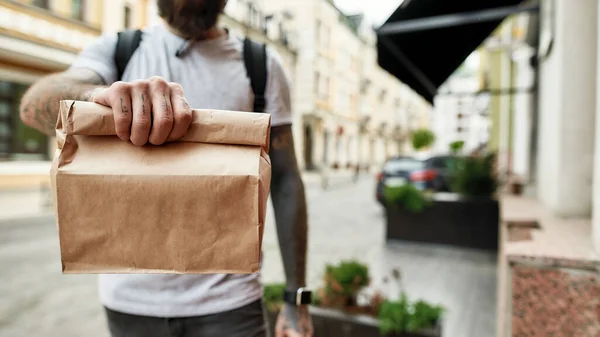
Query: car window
[
  {"x": 405, "y": 164},
  {"x": 442, "y": 162}
]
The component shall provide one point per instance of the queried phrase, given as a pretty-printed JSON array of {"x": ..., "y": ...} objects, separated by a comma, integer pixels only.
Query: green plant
[
  {"x": 407, "y": 196},
  {"x": 475, "y": 176},
  {"x": 403, "y": 316},
  {"x": 273, "y": 295},
  {"x": 456, "y": 146},
  {"x": 343, "y": 282},
  {"x": 422, "y": 138}
]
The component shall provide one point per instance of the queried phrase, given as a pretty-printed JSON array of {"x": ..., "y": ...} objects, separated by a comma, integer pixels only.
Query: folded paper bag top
[{"x": 192, "y": 206}]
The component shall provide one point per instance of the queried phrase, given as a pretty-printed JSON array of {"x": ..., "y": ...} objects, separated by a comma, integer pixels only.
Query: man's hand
[
  {"x": 151, "y": 110},
  {"x": 294, "y": 322}
]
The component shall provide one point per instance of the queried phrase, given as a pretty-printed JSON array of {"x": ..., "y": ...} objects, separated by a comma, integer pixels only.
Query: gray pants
[{"x": 247, "y": 321}]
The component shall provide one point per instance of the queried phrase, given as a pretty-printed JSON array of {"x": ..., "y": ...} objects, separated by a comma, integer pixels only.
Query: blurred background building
[
  {"x": 38, "y": 38},
  {"x": 460, "y": 113},
  {"x": 348, "y": 111}
]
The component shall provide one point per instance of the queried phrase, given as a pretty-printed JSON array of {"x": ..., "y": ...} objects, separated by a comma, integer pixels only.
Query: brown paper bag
[{"x": 193, "y": 206}]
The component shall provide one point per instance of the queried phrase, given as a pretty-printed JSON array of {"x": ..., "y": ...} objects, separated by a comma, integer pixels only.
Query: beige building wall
[
  {"x": 344, "y": 114},
  {"x": 35, "y": 42}
]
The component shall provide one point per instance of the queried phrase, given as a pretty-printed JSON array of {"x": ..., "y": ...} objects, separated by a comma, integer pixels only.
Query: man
[{"x": 188, "y": 54}]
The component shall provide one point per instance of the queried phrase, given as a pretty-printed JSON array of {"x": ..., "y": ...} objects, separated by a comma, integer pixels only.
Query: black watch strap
[{"x": 298, "y": 297}]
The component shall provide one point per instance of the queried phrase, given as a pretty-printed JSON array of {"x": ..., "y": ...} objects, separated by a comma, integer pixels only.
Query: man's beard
[{"x": 193, "y": 19}]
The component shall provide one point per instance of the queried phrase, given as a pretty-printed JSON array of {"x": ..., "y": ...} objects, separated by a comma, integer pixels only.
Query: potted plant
[
  {"x": 456, "y": 147},
  {"x": 407, "y": 197},
  {"x": 469, "y": 218},
  {"x": 515, "y": 185},
  {"x": 422, "y": 139},
  {"x": 341, "y": 309},
  {"x": 474, "y": 176}
]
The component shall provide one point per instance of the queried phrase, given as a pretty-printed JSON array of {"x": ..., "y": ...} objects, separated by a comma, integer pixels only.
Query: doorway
[{"x": 308, "y": 148}]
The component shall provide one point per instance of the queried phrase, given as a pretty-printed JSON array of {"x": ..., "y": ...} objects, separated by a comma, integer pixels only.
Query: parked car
[
  {"x": 436, "y": 174},
  {"x": 395, "y": 172},
  {"x": 432, "y": 173}
]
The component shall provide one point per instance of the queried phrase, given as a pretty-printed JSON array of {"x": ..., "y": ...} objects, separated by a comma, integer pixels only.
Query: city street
[{"x": 345, "y": 223}]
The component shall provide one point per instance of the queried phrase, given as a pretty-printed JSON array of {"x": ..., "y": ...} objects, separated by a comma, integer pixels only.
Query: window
[
  {"x": 16, "y": 139},
  {"x": 325, "y": 89},
  {"x": 127, "y": 17},
  {"x": 326, "y": 34},
  {"x": 317, "y": 84},
  {"x": 78, "y": 9},
  {"x": 322, "y": 35},
  {"x": 382, "y": 95},
  {"x": 318, "y": 32},
  {"x": 41, "y": 3},
  {"x": 353, "y": 101},
  {"x": 403, "y": 165},
  {"x": 342, "y": 98}
]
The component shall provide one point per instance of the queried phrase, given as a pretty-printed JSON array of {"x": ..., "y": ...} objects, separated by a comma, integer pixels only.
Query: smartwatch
[{"x": 298, "y": 298}]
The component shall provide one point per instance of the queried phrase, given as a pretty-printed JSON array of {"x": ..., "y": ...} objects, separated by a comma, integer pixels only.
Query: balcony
[{"x": 42, "y": 27}]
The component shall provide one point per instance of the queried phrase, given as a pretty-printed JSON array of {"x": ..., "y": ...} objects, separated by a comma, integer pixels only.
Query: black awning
[{"x": 425, "y": 41}]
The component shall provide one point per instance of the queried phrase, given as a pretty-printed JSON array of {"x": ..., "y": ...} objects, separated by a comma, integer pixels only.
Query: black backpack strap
[
  {"x": 255, "y": 60},
  {"x": 127, "y": 43}
]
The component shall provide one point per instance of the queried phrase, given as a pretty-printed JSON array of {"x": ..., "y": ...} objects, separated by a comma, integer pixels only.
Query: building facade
[
  {"x": 350, "y": 112},
  {"x": 461, "y": 112},
  {"x": 547, "y": 129}
]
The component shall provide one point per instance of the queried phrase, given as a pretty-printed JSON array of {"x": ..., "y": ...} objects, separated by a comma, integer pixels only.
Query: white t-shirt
[{"x": 213, "y": 76}]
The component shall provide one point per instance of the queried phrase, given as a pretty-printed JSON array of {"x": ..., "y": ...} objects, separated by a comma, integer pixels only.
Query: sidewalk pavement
[
  {"x": 17, "y": 175},
  {"x": 25, "y": 203}
]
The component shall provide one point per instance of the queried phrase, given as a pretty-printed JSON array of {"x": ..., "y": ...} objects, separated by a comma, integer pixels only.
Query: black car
[{"x": 433, "y": 173}]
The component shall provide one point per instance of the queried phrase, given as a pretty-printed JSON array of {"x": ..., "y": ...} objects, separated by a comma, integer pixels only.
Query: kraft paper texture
[{"x": 193, "y": 206}]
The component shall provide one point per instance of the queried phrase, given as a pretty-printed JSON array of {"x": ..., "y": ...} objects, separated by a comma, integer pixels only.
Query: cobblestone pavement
[{"x": 345, "y": 223}]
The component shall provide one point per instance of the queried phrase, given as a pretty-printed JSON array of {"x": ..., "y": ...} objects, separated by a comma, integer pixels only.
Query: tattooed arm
[
  {"x": 146, "y": 110},
  {"x": 40, "y": 104},
  {"x": 289, "y": 203}
]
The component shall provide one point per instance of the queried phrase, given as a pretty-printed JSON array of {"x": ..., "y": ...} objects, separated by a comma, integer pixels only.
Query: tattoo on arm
[
  {"x": 143, "y": 105},
  {"x": 166, "y": 106},
  {"x": 289, "y": 203},
  {"x": 124, "y": 109},
  {"x": 40, "y": 104},
  {"x": 185, "y": 103}
]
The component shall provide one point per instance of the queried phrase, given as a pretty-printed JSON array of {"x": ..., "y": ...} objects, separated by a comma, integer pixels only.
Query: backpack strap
[
  {"x": 255, "y": 60},
  {"x": 127, "y": 43}
]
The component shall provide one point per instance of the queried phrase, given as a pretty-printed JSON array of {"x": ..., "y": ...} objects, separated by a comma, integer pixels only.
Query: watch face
[{"x": 298, "y": 297}]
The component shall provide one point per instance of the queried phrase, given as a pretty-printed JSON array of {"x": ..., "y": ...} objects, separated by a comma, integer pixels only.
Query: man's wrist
[{"x": 297, "y": 297}]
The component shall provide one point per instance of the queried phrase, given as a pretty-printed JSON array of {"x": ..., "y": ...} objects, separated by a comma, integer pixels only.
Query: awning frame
[
  {"x": 456, "y": 19},
  {"x": 424, "y": 81}
]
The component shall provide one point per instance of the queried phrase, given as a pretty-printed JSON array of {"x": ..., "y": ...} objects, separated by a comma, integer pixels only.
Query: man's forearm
[
  {"x": 40, "y": 104},
  {"x": 289, "y": 203}
]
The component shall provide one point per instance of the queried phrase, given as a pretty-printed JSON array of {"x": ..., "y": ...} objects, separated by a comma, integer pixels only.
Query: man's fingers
[
  {"x": 162, "y": 111},
  {"x": 100, "y": 96},
  {"x": 182, "y": 113},
  {"x": 149, "y": 110},
  {"x": 119, "y": 98},
  {"x": 142, "y": 113}
]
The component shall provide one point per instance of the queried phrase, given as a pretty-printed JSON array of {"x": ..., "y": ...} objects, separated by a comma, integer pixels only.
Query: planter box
[
  {"x": 333, "y": 323},
  {"x": 463, "y": 222}
]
